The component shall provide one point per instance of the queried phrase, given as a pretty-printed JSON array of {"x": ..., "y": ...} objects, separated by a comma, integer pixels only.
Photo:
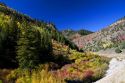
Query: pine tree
[
  {"x": 8, "y": 38},
  {"x": 46, "y": 45},
  {"x": 28, "y": 49}
]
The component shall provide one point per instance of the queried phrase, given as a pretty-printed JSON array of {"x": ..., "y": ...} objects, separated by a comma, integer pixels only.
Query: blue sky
[{"x": 72, "y": 14}]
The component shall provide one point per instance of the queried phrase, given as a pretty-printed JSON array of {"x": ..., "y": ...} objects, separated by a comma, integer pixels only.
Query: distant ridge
[
  {"x": 69, "y": 33},
  {"x": 109, "y": 37}
]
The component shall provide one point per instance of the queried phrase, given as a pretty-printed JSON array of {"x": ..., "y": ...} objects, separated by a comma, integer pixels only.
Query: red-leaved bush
[{"x": 88, "y": 74}]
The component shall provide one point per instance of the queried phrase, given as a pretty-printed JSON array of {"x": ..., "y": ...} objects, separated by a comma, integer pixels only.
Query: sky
[{"x": 72, "y": 14}]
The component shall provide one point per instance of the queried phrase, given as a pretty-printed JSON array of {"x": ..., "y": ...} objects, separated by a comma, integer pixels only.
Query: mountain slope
[
  {"x": 21, "y": 35},
  {"x": 72, "y": 33},
  {"x": 111, "y": 36}
]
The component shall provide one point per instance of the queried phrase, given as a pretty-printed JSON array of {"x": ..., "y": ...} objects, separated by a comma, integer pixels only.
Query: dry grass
[{"x": 37, "y": 76}]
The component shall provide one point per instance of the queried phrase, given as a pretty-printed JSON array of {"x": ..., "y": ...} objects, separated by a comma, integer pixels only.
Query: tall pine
[{"x": 28, "y": 49}]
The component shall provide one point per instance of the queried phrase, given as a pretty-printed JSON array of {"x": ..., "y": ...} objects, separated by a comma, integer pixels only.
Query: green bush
[
  {"x": 117, "y": 50},
  {"x": 122, "y": 46}
]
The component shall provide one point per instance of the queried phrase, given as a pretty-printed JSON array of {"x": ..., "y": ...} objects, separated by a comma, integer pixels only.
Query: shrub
[
  {"x": 100, "y": 72},
  {"x": 34, "y": 76},
  {"x": 122, "y": 45},
  {"x": 48, "y": 66},
  {"x": 88, "y": 76},
  {"x": 46, "y": 77},
  {"x": 117, "y": 50}
]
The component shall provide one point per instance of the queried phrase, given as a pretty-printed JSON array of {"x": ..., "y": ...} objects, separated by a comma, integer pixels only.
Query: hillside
[
  {"x": 33, "y": 51},
  {"x": 14, "y": 27},
  {"x": 73, "y": 34},
  {"x": 109, "y": 37}
]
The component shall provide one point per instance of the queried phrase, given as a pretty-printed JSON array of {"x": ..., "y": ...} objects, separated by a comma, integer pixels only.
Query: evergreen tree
[
  {"x": 28, "y": 49},
  {"x": 8, "y": 38},
  {"x": 46, "y": 45}
]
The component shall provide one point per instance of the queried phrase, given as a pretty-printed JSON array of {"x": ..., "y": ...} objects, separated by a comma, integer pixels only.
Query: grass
[{"x": 37, "y": 76}]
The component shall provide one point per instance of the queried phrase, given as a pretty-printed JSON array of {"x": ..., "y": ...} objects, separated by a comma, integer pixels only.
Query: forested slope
[{"x": 22, "y": 36}]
